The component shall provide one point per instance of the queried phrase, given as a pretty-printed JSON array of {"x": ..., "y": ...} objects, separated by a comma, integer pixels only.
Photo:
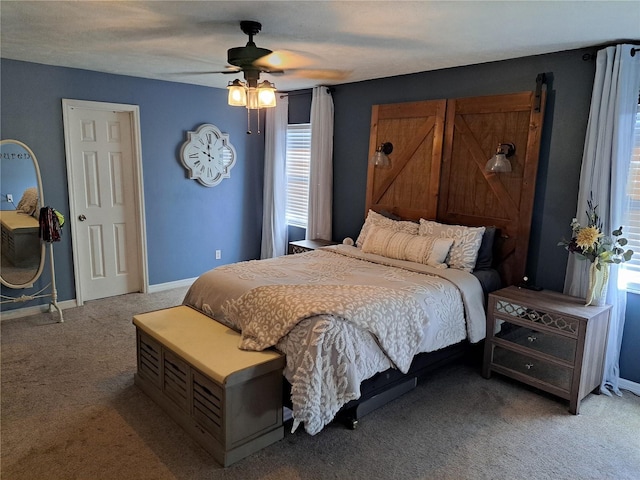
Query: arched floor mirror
[{"x": 23, "y": 251}]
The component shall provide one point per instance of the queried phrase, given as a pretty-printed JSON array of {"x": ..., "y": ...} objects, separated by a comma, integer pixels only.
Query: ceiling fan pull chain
[
  {"x": 258, "y": 121},
  {"x": 248, "y": 122}
]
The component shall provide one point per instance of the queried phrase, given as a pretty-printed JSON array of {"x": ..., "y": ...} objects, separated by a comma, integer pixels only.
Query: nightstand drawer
[
  {"x": 557, "y": 346},
  {"x": 553, "y": 374},
  {"x": 539, "y": 316}
]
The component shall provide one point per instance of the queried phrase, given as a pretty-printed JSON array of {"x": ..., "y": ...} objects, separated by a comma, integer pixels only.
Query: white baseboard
[
  {"x": 629, "y": 385},
  {"x": 34, "y": 310},
  {"x": 159, "y": 287}
]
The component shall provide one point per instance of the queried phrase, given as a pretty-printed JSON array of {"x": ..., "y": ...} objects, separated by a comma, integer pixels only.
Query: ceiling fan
[
  {"x": 252, "y": 60},
  {"x": 246, "y": 59}
]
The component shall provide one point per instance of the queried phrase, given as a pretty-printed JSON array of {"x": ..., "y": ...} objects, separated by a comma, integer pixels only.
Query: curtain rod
[
  {"x": 592, "y": 56},
  {"x": 307, "y": 91}
]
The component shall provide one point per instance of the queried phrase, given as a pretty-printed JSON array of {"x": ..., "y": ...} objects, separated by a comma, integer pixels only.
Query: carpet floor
[{"x": 70, "y": 410}]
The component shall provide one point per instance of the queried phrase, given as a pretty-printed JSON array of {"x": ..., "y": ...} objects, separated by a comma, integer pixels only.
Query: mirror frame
[{"x": 37, "y": 275}]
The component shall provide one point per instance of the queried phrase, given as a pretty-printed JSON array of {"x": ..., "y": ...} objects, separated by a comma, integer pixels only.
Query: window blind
[
  {"x": 298, "y": 166},
  {"x": 631, "y": 231}
]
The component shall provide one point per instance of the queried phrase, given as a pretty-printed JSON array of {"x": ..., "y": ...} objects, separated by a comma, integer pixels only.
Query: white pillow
[
  {"x": 467, "y": 240},
  {"x": 404, "y": 246},
  {"x": 375, "y": 219}
]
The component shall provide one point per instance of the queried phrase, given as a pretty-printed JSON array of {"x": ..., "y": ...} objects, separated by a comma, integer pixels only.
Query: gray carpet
[{"x": 70, "y": 410}]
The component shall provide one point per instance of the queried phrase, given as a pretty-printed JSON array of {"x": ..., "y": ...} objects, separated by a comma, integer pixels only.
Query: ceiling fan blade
[
  {"x": 285, "y": 60},
  {"x": 320, "y": 74},
  {"x": 229, "y": 70},
  {"x": 298, "y": 64}
]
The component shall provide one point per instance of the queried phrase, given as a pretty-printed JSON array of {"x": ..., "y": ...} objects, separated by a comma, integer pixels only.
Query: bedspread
[
  {"x": 266, "y": 314},
  {"x": 382, "y": 312}
]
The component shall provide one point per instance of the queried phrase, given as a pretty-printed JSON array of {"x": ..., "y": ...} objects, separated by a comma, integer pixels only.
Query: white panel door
[{"x": 102, "y": 176}]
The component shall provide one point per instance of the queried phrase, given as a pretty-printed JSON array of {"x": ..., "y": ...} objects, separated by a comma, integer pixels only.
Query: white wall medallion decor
[{"x": 207, "y": 155}]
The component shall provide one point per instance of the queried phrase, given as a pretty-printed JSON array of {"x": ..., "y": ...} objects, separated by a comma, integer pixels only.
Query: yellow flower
[{"x": 588, "y": 237}]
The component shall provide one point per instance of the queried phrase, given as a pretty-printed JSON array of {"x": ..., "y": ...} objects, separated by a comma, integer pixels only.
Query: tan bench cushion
[{"x": 206, "y": 344}]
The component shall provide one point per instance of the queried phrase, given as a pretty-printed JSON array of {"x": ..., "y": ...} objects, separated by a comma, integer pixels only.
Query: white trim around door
[{"x": 134, "y": 114}]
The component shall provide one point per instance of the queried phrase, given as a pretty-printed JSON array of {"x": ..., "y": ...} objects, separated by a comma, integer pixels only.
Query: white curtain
[
  {"x": 321, "y": 173},
  {"x": 605, "y": 167},
  {"x": 274, "y": 222}
]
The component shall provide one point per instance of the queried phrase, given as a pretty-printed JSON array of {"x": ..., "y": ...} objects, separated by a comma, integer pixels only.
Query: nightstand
[
  {"x": 547, "y": 340},
  {"x": 302, "y": 246}
]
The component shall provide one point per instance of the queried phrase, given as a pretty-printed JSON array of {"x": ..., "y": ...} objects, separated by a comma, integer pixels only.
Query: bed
[
  {"x": 359, "y": 323},
  {"x": 343, "y": 314}
]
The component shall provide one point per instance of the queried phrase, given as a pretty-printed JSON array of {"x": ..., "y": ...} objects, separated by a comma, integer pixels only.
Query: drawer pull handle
[
  {"x": 529, "y": 366},
  {"x": 532, "y": 338}
]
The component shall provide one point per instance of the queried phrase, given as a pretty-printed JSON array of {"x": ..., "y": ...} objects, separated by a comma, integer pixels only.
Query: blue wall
[
  {"x": 186, "y": 222},
  {"x": 18, "y": 174},
  {"x": 630, "y": 353},
  {"x": 570, "y": 82}
]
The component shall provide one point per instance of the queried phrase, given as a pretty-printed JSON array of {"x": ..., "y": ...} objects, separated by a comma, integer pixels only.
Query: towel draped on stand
[{"x": 50, "y": 230}]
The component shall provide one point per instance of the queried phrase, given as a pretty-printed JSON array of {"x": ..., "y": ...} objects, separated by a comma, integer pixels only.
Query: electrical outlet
[
  {"x": 218, "y": 254},
  {"x": 9, "y": 198}
]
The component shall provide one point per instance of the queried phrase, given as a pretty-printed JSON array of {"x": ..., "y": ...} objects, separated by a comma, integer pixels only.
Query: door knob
[{"x": 82, "y": 218}]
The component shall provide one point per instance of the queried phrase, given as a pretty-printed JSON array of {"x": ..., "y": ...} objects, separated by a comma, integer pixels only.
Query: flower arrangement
[{"x": 589, "y": 243}]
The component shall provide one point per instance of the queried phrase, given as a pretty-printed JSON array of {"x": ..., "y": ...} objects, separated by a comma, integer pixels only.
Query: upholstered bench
[{"x": 229, "y": 400}]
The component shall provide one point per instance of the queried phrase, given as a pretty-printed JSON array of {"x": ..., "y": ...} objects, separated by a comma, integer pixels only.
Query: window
[
  {"x": 298, "y": 165},
  {"x": 631, "y": 231}
]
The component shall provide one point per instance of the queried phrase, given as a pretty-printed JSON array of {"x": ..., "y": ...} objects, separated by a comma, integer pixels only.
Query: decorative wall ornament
[{"x": 208, "y": 155}]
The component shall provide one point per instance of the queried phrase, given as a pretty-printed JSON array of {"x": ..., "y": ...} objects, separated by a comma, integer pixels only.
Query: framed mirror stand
[
  {"x": 53, "y": 304},
  {"x": 23, "y": 251}
]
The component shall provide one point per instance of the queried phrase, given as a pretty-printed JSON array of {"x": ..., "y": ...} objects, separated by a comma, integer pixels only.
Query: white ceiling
[{"x": 368, "y": 39}]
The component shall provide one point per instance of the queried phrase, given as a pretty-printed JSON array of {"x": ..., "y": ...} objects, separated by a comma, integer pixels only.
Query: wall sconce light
[
  {"x": 500, "y": 163},
  {"x": 380, "y": 158}
]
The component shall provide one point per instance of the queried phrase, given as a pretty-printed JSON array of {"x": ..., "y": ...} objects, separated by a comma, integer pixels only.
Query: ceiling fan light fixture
[
  {"x": 237, "y": 93},
  {"x": 266, "y": 94},
  {"x": 254, "y": 98}
]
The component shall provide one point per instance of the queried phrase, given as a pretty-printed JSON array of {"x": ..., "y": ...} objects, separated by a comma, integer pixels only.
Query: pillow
[
  {"x": 485, "y": 253},
  {"x": 376, "y": 219},
  {"x": 405, "y": 246},
  {"x": 467, "y": 240},
  {"x": 29, "y": 202}
]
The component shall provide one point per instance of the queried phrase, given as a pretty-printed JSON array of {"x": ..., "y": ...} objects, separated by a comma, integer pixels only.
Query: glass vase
[{"x": 598, "y": 282}]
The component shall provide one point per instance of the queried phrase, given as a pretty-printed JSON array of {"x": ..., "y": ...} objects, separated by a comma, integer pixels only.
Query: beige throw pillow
[
  {"x": 29, "y": 202},
  {"x": 467, "y": 240},
  {"x": 427, "y": 250},
  {"x": 375, "y": 219}
]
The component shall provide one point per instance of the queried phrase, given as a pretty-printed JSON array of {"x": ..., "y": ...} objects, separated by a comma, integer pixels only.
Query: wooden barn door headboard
[
  {"x": 409, "y": 187},
  {"x": 437, "y": 167}
]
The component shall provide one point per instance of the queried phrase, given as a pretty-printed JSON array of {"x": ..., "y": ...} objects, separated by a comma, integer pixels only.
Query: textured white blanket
[
  {"x": 266, "y": 314},
  {"x": 340, "y": 317}
]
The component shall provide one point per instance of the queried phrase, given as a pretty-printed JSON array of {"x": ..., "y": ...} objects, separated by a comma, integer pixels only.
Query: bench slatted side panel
[
  {"x": 149, "y": 358},
  {"x": 207, "y": 404},
  {"x": 237, "y": 413},
  {"x": 176, "y": 377}
]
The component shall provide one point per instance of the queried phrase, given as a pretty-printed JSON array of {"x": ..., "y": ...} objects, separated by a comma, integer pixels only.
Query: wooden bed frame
[{"x": 437, "y": 173}]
